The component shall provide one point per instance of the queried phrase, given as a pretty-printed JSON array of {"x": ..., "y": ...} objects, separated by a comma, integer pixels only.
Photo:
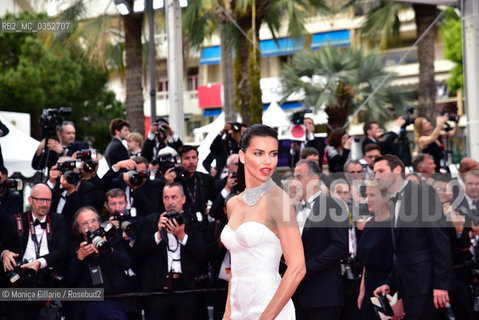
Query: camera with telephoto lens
[
  {"x": 51, "y": 119},
  {"x": 136, "y": 178},
  {"x": 66, "y": 168},
  {"x": 96, "y": 237},
  {"x": 49, "y": 277},
  {"x": 19, "y": 275},
  {"x": 89, "y": 165},
  {"x": 15, "y": 184},
  {"x": 409, "y": 119},
  {"x": 127, "y": 219},
  {"x": 175, "y": 215},
  {"x": 68, "y": 165}
]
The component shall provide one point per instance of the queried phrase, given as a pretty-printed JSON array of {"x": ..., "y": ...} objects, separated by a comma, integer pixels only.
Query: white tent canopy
[
  {"x": 17, "y": 150},
  {"x": 212, "y": 129},
  {"x": 275, "y": 117}
]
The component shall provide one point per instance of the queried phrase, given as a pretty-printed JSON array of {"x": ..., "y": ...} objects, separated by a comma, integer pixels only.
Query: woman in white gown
[{"x": 262, "y": 226}]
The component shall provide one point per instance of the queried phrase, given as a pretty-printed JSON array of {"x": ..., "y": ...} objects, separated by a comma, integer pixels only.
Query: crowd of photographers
[{"x": 152, "y": 222}]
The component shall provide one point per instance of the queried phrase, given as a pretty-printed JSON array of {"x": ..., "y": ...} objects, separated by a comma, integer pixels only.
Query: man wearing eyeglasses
[
  {"x": 64, "y": 145},
  {"x": 371, "y": 152},
  {"x": 91, "y": 269},
  {"x": 36, "y": 240}
]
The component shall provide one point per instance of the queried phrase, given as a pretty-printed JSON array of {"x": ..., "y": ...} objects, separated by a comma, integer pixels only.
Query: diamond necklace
[{"x": 251, "y": 196}]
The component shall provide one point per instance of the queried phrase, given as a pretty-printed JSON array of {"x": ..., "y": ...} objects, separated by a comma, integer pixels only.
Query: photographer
[
  {"x": 374, "y": 134},
  {"x": 171, "y": 247},
  {"x": 115, "y": 151},
  {"x": 99, "y": 261},
  {"x": 338, "y": 149},
  {"x": 33, "y": 247},
  {"x": 311, "y": 142},
  {"x": 69, "y": 191},
  {"x": 63, "y": 144},
  {"x": 161, "y": 135},
  {"x": 429, "y": 139},
  {"x": 199, "y": 187},
  {"x": 141, "y": 191},
  {"x": 226, "y": 143},
  {"x": 3, "y": 132},
  {"x": 10, "y": 202}
]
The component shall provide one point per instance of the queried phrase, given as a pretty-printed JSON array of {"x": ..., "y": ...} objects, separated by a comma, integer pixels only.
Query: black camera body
[
  {"x": 21, "y": 276},
  {"x": 165, "y": 162},
  {"x": 409, "y": 119},
  {"x": 127, "y": 219},
  {"x": 298, "y": 117},
  {"x": 50, "y": 119},
  {"x": 15, "y": 184},
  {"x": 454, "y": 118},
  {"x": 67, "y": 165},
  {"x": 106, "y": 230},
  {"x": 176, "y": 216},
  {"x": 136, "y": 178},
  {"x": 89, "y": 165},
  {"x": 49, "y": 277}
]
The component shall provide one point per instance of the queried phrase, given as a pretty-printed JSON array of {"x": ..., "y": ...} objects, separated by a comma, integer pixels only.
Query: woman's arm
[
  {"x": 362, "y": 289},
  {"x": 424, "y": 141},
  {"x": 292, "y": 246},
  {"x": 227, "y": 314}
]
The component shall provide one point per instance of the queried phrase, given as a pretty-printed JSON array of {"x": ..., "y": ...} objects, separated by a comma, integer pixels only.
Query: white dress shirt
[{"x": 303, "y": 214}]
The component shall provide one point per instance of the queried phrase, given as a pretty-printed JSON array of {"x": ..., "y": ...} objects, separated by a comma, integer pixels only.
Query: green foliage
[
  {"x": 340, "y": 79},
  {"x": 34, "y": 76},
  {"x": 451, "y": 32}
]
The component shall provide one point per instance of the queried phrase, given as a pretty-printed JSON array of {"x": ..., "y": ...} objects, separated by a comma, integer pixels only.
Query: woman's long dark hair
[{"x": 256, "y": 130}]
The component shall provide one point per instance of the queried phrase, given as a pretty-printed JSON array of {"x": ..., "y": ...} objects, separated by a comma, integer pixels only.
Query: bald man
[{"x": 39, "y": 243}]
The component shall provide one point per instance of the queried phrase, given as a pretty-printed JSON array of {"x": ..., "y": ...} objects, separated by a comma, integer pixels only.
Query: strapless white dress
[{"x": 255, "y": 255}]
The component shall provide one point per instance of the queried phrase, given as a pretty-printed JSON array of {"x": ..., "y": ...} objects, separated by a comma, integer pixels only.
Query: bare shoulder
[
  {"x": 279, "y": 207},
  {"x": 231, "y": 204}
]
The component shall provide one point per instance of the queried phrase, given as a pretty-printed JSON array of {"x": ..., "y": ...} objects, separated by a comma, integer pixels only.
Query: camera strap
[
  {"x": 195, "y": 187},
  {"x": 33, "y": 233}
]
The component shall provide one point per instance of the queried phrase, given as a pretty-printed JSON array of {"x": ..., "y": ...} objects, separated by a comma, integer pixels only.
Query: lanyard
[
  {"x": 34, "y": 234},
  {"x": 195, "y": 186}
]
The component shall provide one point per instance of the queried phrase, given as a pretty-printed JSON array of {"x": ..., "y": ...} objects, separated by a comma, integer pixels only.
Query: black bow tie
[
  {"x": 42, "y": 224},
  {"x": 304, "y": 205}
]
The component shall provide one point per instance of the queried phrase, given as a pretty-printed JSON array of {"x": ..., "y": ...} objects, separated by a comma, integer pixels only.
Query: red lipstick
[{"x": 265, "y": 171}]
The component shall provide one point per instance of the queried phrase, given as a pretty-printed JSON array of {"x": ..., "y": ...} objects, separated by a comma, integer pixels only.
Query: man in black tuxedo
[
  {"x": 91, "y": 269},
  {"x": 311, "y": 142},
  {"x": 40, "y": 241},
  {"x": 144, "y": 194},
  {"x": 160, "y": 136},
  {"x": 3, "y": 132},
  {"x": 198, "y": 187},
  {"x": 226, "y": 143},
  {"x": 320, "y": 295},
  {"x": 115, "y": 151},
  {"x": 374, "y": 134},
  {"x": 65, "y": 146},
  {"x": 68, "y": 196},
  {"x": 422, "y": 271},
  {"x": 10, "y": 202},
  {"x": 171, "y": 252}
]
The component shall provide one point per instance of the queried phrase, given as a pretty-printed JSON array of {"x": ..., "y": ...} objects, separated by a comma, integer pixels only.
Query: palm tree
[
  {"x": 384, "y": 19},
  {"x": 93, "y": 38},
  {"x": 247, "y": 97},
  {"x": 340, "y": 79}
]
